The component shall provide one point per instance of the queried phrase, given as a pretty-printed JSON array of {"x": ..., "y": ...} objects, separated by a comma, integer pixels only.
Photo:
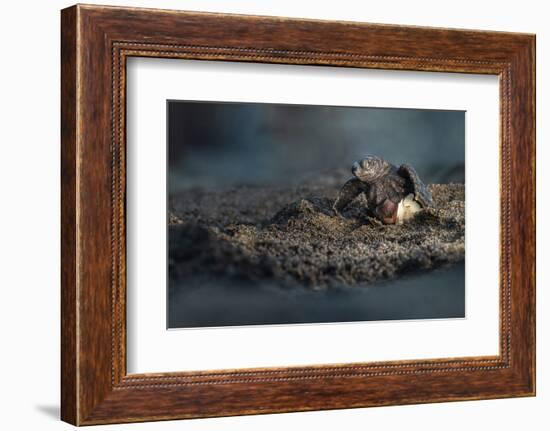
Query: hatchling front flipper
[
  {"x": 349, "y": 191},
  {"x": 421, "y": 193}
]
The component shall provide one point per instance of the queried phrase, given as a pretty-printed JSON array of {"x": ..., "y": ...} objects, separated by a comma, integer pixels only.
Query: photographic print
[{"x": 301, "y": 214}]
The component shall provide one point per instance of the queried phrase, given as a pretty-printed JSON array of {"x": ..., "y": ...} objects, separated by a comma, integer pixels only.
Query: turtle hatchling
[{"x": 394, "y": 194}]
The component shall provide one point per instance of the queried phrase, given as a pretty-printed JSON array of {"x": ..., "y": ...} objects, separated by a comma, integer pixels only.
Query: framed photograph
[{"x": 264, "y": 214}]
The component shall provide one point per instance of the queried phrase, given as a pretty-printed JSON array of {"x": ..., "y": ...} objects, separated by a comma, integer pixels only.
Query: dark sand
[{"x": 291, "y": 236}]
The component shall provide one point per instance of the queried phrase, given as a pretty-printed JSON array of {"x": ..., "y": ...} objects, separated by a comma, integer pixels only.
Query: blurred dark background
[{"x": 216, "y": 144}]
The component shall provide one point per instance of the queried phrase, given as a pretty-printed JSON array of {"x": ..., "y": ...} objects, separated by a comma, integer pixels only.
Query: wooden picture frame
[{"x": 95, "y": 43}]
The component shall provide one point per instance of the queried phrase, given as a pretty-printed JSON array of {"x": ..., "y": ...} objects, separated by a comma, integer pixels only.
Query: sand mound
[{"x": 294, "y": 237}]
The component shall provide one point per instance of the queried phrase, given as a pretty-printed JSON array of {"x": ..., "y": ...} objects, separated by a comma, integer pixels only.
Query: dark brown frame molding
[{"x": 95, "y": 43}]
